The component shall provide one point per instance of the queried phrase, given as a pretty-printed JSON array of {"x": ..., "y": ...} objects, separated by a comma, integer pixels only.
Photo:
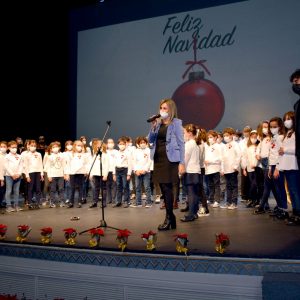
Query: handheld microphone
[{"x": 151, "y": 119}]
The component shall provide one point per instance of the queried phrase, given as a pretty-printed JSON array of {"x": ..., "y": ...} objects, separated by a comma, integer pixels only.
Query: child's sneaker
[
  {"x": 144, "y": 197},
  {"x": 148, "y": 205},
  {"x": 224, "y": 205},
  {"x": 18, "y": 208},
  {"x": 216, "y": 204},
  {"x": 52, "y": 205},
  {"x": 133, "y": 205},
  {"x": 10, "y": 209},
  {"x": 232, "y": 206},
  {"x": 202, "y": 212},
  {"x": 132, "y": 196},
  {"x": 157, "y": 199}
]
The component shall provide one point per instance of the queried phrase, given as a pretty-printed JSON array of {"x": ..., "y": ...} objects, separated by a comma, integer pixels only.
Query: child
[
  {"x": 122, "y": 172},
  {"x": 13, "y": 166},
  {"x": 3, "y": 150},
  {"x": 55, "y": 170},
  {"x": 99, "y": 166},
  {"x": 142, "y": 171},
  {"x": 33, "y": 166},
  {"x": 111, "y": 186},
  {"x": 231, "y": 163},
  {"x": 76, "y": 171},
  {"x": 86, "y": 183},
  {"x": 289, "y": 169},
  {"x": 192, "y": 167},
  {"x": 249, "y": 166},
  {"x": 222, "y": 178},
  {"x": 131, "y": 183},
  {"x": 68, "y": 151},
  {"x": 213, "y": 159},
  {"x": 267, "y": 154}
]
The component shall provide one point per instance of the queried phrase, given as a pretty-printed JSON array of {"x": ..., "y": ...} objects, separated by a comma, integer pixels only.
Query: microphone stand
[{"x": 99, "y": 152}]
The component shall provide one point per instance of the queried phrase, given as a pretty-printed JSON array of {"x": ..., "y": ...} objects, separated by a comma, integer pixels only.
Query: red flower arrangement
[
  {"x": 8, "y": 296},
  {"x": 150, "y": 238},
  {"x": 3, "y": 229},
  {"x": 222, "y": 242},
  {"x": 46, "y": 234},
  {"x": 70, "y": 235},
  {"x": 23, "y": 231},
  {"x": 181, "y": 243},
  {"x": 96, "y": 234},
  {"x": 122, "y": 237}
]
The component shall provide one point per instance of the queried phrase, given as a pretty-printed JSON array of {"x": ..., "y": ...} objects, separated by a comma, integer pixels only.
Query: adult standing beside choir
[{"x": 167, "y": 151}]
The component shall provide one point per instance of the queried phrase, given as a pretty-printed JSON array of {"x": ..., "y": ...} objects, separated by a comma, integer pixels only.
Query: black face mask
[{"x": 296, "y": 88}]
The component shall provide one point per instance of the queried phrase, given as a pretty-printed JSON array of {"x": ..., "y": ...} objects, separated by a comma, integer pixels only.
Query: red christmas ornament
[{"x": 199, "y": 100}]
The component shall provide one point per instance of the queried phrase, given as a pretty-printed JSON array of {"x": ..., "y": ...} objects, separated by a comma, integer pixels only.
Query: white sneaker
[
  {"x": 232, "y": 206},
  {"x": 10, "y": 209},
  {"x": 216, "y": 204},
  {"x": 224, "y": 206},
  {"x": 52, "y": 205},
  {"x": 144, "y": 197},
  {"x": 202, "y": 213},
  {"x": 148, "y": 205},
  {"x": 157, "y": 199},
  {"x": 18, "y": 208},
  {"x": 132, "y": 196}
]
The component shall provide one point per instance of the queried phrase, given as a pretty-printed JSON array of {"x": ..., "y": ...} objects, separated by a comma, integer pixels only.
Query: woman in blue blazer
[{"x": 167, "y": 151}]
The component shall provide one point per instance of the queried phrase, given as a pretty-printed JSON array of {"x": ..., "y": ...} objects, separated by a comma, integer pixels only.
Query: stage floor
[{"x": 256, "y": 236}]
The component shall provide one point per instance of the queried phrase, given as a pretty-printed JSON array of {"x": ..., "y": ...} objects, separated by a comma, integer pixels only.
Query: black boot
[{"x": 169, "y": 223}]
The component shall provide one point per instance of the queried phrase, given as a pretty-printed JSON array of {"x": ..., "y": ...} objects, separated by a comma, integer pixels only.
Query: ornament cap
[{"x": 196, "y": 75}]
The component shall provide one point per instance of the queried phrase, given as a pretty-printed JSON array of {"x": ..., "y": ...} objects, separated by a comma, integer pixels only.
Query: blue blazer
[{"x": 174, "y": 141}]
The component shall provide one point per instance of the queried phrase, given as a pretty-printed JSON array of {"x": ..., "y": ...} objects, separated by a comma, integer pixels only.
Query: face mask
[
  {"x": 78, "y": 148},
  {"x": 163, "y": 114},
  {"x": 296, "y": 88},
  {"x": 235, "y": 138},
  {"x": 55, "y": 150},
  {"x": 110, "y": 146},
  {"x": 121, "y": 147},
  {"x": 32, "y": 148},
  {"x": 69, "y": 147},
  {"x": 265, "y": 131},
  {"x": 143, "y": 146},
  {"x": 274, "y": 131},
  {"x": 13, "y": 150},
  {"x": 253, "y": 140},
  {"x": 84, "y": 142},
  {"x": 288, "y": 124},
  {"x": 219, "y": 140},
  {"x": 211, "y": 140},
  {"x": 3, "y": 150},
  {"x": 129, "y": 144},
  {"x": 227, "y": 139}
]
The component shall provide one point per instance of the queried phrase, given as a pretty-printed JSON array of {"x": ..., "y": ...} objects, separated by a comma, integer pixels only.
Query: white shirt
[
  {"x": 276, "y": 142},
  {"x": 213, "y": 155},
  {"x": 263, "y": 149},
  {"x": 55, "y": 165},
  {"x": 288, "y": 161},
  {"x": 141, "y": 160},
  {"x": 33, "y": 163},
  {"x": 13, "y": 164},
  {"x": 123, "y": 160},
  {"x": 2, "y": 156},
  {"x": 192, "y": 157},
  {"x": 231, "y": 157},
  {"x": 112, "y": 154},
  {"x": 96, "y": 171},
  {"x": 201, "y": 154},
  {"x": 249, "y": 160},
  {"x": 77, "y": 163}
]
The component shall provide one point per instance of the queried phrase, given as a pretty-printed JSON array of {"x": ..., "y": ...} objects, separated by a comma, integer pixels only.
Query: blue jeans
[
  {"x": 111, "y": 188},
  {"x": 232, "y": 187},
  {"x": 292, "y": 178},
  {"x": 57, "y": 185},
  {"x": 67, "y": 190},
  {"x": 145, "y": 180},
  {"x": 122, "y": 185},
  {"x": 99, "y": 184},
  {"x": 12, "y": 190},
  {"x": 214, "y": 187}
]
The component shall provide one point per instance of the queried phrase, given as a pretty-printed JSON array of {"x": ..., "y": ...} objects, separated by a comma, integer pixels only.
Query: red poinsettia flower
[
  {"x": 147, "y": 235},
  {"x": 3, "y": 228},
  {"x": 180, "y": 236},
  {"x": 46, "y": 230},
  {"x": 69, "y": 230},
  {"x": 222, "y": 238},
  {"x": 8, "y": 297},
  {"x": 123, "y": 233},
  {"x": 96, "y": 231},
  {"x": 23, "y": 227}
]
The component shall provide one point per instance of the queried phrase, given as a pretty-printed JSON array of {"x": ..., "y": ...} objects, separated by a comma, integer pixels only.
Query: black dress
[{"x": 164, "y": 171}]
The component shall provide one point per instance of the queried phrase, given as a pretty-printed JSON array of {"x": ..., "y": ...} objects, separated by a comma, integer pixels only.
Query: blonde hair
[{"x": 172, "y": 107}]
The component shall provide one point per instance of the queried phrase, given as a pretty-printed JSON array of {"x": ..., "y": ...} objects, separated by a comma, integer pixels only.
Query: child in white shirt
[
  {"x": 3, "y": 150},
  {"x": 111, "y": 186}
]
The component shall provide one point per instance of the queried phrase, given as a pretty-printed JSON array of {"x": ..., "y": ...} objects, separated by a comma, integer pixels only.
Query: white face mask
[
  {"x": 69, "y": 147},
  {"x": 227, "y": 139},
  {"x": 3, "y": 150},
  {"x": 253, "y": 140},
  {"x": 121, "y": 147},
  {"x": 32, "y": 148},
  {"x": 55, "y": 150},
  {"x": 163, "y": 114},
  {"x": 78, "y": 148},
  {"x": 211, "y": 140},
  {"x": 274, "y": 131},
  {"x": 288, "y": 124},
  {"x": 143, "y": 146},
  {"x": 13, "y": 150},
  {"x": 235, "y": 138},
  {"x": 265, "y": 131},
  {"x": 129, "y": 144},
  {"x": 110, "y": 146}
]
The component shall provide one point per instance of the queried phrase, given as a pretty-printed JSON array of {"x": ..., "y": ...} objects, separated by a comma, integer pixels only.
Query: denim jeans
[
  {"x": 12, "y": 190},
  {"x": 122, "y": 185},
  {"x": 2, "y": 196},
  {"x": 99, "y": 184},
  {"x": 35, "y": 185},
  {"x": 67, "y": 190},
  {"x": 57, "y": 185},
  {"x": 214, "y": 187},
  {"x": 255, "y": 184},
  {"x": 232, "y": 187},
  {"x": 111, "y": 188},
  {"x": 292, "y": 178},
  {"x": 76, "y": 181},
  {"x": 139, "y": 181}
]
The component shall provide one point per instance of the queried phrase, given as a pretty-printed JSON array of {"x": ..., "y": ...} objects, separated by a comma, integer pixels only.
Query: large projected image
[{"x": 224, "y": 66}]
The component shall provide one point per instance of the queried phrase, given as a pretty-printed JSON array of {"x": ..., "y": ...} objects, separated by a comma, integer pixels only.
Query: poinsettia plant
[
  {"x": 23, "y": 231},
  {"x": 96, "y": 234},
  {"x": 222, "y": 242},
  {"x": 3, "y": 229},
  {"x": 122, "y": 238},
  {"x": 70, "y": 235},
  {"x": 181, "y": 242},
  {"x": 150, "y": 238},
  {"x": 46, "y": 233}
]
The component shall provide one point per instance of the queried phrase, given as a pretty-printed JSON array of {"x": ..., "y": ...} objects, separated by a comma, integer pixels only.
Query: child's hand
[
  {"x": 276, "y": 173},
  {"x": 67, "y": 177},
  {"x": 244, "y": 172},
  {"x": 50, "y": 179},
  {"x": 281, "y": 151},
  {"x": 128, "y": 177},
  {"x": 104, "y": 178},
  {"x": 28, "y": 179},
  {"x": 114, "y": 178},
  {"x": 42, "y": 178},
  {"x": 257, "y": 156}
]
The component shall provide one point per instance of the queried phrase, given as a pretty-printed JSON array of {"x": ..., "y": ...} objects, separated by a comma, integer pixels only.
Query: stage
[{"x": 251, "y": 236}]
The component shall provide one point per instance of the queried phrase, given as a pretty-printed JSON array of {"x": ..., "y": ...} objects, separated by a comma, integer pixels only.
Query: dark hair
[
  {"x": 295, "y": 74},
  {"x": 291, "y": 116},
  {"x": 140, "y": 139},
  {"x": 280, "y": 124}
]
